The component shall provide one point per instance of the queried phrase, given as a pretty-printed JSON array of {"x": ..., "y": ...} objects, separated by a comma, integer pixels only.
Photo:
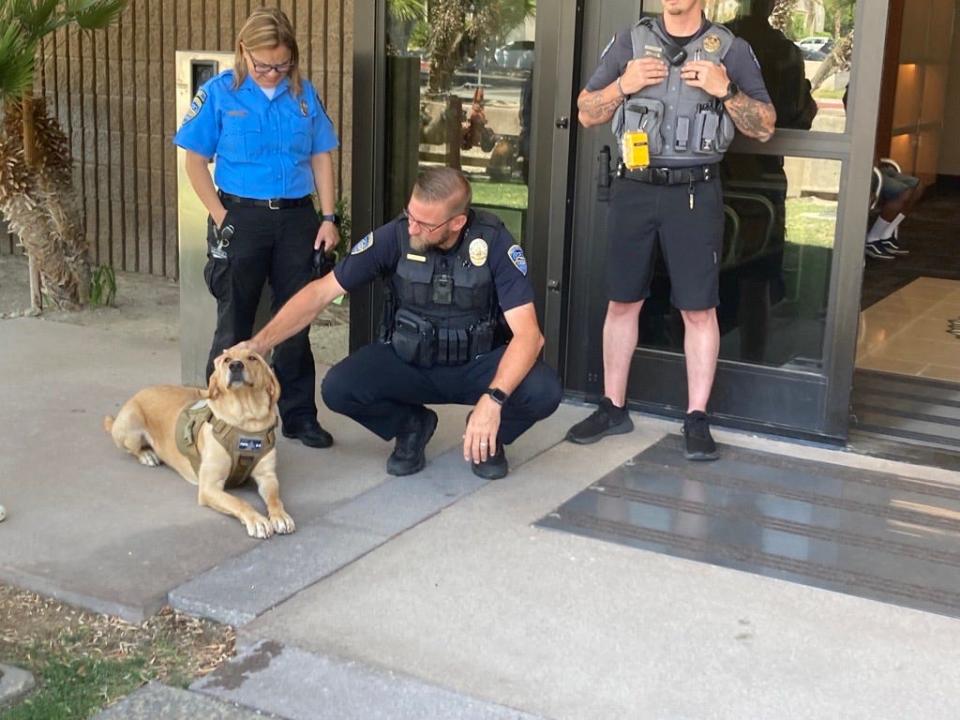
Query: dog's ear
[
  {"x": 214, "y": 388},
  {"x": 273, "y": 385}
]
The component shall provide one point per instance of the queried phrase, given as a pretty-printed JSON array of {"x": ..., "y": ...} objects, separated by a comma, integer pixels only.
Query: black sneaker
[
  {"x": 699, "y": 441},
  {"x": 494, "y": 467},
  {"x": 876, "y": 251},
  {"x": 891, "y": 247},
  {"x": 309, "y": 433},
  {"x": 607, "y": 419},
  {"x": 408, "y": 456}
]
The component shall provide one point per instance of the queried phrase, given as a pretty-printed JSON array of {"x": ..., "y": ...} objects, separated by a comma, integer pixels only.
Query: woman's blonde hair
[{"x": 267, "y": 28}]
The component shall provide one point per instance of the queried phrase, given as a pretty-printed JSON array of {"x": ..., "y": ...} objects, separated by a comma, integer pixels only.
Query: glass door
[
  {"x": 795, "y": 211},
  {"x": 471, "y": 84}
]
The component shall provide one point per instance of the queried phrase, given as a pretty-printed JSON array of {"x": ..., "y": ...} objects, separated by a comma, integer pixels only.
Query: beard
[
  {"x": 421, "y": 243},
  {"x": 418, "y": 243}
]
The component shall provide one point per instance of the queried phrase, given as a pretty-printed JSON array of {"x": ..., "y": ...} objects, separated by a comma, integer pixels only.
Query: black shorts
[{"x": 691, "y": 241}]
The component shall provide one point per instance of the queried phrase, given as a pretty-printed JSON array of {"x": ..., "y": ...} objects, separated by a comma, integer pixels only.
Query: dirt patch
[
  {"x": 83, "y": 661},
  {"x": 149, "y": 307}
]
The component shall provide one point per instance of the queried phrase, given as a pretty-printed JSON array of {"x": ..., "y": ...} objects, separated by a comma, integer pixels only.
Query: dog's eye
[
  {"x": 251, "y": 358},
  {"x": 227, "y": 360}
]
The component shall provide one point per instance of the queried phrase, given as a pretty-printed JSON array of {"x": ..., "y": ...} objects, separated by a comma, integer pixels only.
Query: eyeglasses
[
  {"x": 427, "y": 226},
  {"x": 262, "y": 68}
]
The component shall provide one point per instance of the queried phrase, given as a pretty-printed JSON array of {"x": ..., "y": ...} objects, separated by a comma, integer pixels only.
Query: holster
[{"x": 414, "y": 338}]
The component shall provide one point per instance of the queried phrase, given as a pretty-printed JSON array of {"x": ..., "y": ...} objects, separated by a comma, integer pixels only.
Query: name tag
[{"x": 416, "y": 258}]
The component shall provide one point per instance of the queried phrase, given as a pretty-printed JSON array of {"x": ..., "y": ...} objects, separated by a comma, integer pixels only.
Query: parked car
[
  {"x": 517, "y": 55},
  {"x": 815, "y": 47}
]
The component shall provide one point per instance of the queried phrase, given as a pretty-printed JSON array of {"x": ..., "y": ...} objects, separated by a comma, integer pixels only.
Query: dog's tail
[{"x": 108, "y": 422}]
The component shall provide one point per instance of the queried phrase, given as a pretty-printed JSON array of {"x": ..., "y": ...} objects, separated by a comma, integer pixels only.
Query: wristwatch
[
  {"x": 732, "y": 91},
  {"x": 334, "y": 218},
  {"x": 498, "y": 395}
]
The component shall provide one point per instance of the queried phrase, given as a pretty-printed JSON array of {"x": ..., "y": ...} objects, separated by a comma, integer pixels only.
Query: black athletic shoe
[
  {"x": 699, "y": 441},
  {"x": 408, "y": 456},
  {"x": 891, "y": 247},
  {"x": 494, "y": 467},
  {"x": 607, "y": 419},
  {"x": 876, "y": 251},
  {"x": 309, "y": 433}
]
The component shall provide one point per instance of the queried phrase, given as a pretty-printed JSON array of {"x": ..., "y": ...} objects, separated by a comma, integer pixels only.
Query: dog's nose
[{"x": 236, "y": 366}]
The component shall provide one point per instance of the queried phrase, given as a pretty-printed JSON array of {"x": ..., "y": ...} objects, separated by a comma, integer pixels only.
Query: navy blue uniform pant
[
  {"x": 379, "y": 390},
  {"x": 275, "y": 246}
]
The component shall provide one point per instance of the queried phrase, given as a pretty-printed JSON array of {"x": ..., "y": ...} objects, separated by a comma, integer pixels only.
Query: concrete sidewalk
[{"x": 429, "y": 596}]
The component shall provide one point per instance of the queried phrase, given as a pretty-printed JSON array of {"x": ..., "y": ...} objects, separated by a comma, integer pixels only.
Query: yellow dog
[{"x": 215, "y": 438}]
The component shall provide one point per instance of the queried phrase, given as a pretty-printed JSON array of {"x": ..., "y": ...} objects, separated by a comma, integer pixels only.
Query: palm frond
[
  {"x": 406, "y": 10},
  {"x": 35, "y": 18},
  {"x": 94, "y": 14},
  {"x": 17, "y": 59}
]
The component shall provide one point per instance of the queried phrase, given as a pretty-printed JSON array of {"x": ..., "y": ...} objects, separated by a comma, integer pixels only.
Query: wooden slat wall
[{"x": 113, "y": 92}]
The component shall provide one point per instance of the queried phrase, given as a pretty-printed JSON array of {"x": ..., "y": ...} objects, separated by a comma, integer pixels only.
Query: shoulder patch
[
  {"x": 607, "y": 48},
  {"x": 365, "y": 244},
  {"x": 196, "y": 105},
  {"x": 515, "y": 253}
]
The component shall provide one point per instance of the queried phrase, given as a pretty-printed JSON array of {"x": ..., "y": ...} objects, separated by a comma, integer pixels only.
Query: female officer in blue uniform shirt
[{"x": 272, "y": 140}]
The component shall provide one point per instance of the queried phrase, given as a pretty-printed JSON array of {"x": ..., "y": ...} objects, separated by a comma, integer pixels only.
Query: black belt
[
  {"x": 669, "y": 176},
  {"x": 272, "y": 204}
]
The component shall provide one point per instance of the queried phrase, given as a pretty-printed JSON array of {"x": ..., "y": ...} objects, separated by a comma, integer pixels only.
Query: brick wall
[{"x": 113, "y": 92}]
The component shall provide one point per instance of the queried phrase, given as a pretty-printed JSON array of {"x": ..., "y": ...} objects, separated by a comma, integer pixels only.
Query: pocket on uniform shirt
[
  {"x": 240, "y": 138},
  {"x": 301, "y": 133}
]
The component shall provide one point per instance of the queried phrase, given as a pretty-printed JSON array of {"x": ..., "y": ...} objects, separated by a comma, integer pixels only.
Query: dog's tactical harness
[{"x": 245, "y": 448}]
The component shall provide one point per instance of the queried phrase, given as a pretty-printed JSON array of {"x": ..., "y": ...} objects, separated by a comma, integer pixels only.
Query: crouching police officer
[
  {"x": 676, "y": 87},
  {"x": 459, "y": 327}
]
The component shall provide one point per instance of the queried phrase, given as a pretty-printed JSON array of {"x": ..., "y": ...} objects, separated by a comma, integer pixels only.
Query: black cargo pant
[
  {"x": 379, "y": 390},
  {"x": 274, "y": 245}
]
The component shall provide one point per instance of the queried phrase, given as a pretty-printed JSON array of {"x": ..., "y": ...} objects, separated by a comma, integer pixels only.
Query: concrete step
[
  {"x": 247, "y": 585},
  {"x": 155, "y": 701},
  {"x": 298, "y": 685}
]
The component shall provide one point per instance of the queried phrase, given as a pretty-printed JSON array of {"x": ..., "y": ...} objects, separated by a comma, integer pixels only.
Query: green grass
[
  {"x": 77, "y": 687},
  {"x": 505, "y": 195},
  {"x": 811, "y": 221}
]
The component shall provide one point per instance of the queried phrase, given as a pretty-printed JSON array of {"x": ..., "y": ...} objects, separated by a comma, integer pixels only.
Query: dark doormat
[{"x": 876, "y": 535}]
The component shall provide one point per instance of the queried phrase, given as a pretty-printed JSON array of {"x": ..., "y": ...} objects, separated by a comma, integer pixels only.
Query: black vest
[{"x": 447, "y": 301}]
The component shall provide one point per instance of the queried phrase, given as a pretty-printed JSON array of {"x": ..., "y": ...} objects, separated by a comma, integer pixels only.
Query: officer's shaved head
[{"x": 444, "y": 185}]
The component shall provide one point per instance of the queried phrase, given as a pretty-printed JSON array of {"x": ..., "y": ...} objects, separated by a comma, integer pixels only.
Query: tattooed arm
[
  {"x": 753, "y": 118},
  {"x": 598, "y": 106}
]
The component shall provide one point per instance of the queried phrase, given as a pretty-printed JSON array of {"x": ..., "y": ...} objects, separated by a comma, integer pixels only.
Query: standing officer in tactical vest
[
  {"x": 676, "y": 88},
  {"x": 459, "y": 327}
]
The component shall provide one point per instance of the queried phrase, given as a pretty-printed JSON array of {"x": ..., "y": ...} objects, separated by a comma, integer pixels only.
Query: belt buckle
[
  {"x": 661, "y": 176},
  {"x": 271, "y": 205}
]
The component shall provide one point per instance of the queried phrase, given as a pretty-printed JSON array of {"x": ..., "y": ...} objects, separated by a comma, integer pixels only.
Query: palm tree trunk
[{"x": 30, "y": 158}]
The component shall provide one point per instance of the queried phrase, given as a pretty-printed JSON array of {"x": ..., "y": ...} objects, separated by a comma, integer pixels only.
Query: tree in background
[{"x": 37, "y": 195}]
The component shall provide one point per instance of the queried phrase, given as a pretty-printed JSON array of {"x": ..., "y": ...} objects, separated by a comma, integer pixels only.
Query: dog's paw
[
  {"x": 282, "y": 523},
  {"x": 148, "y": 457},
  {"x": 258, "y": 526}
]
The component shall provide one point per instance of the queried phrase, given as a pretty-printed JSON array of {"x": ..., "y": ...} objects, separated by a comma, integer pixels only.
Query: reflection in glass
[
  {"x": 460, "y": 76},
  {"x": 804, "y": 48},
  {"x": 780, "y": 221}
]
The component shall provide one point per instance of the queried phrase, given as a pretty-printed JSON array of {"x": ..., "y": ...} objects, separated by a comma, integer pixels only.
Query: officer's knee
[
  {"x": 334, "y": 389},
  {"x": 543, "y": 391},
  {"x": 618, "y": 310},
  {"x": 699, "y": 318}
]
